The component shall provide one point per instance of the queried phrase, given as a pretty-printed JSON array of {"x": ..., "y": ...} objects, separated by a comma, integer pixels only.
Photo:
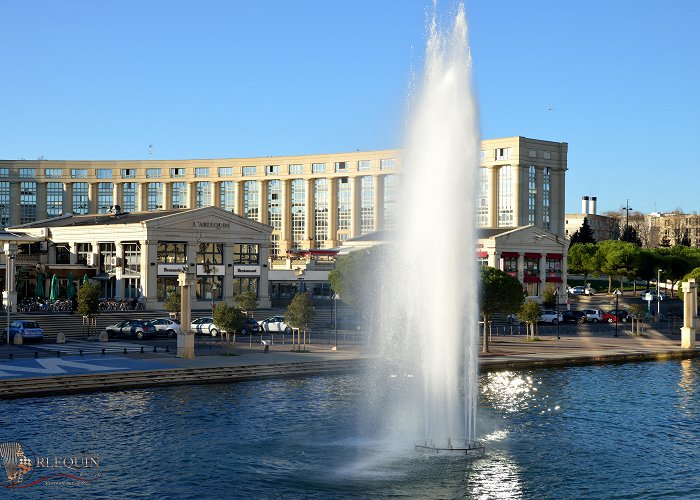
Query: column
[
  {"x": 118, "y": 194},
  {"x": 119, "y": 274},
  {"x": 310, "y": 210},
  {"x": 493, "y": 196},
  {"x": 92, "y": 198},
  {"x": 73, "y": 257},
  {"x": 378, "y": 202},
  {"x": 185, "y": 339},
  {"x": 13, "y": 209},
  {"x": 263, "y": 286},
  {"x": 355, "y": 206},
  {"x": 9, "y": 295},
  {"x": 41, "y": 194},
  {"x": 332, "y": 241},
  {"x": 539, "y": 183},
  {"x": 690, "y": 307},
  {"x": 557, "y": 202},
  {"x": 517, "y": 197},
  {"x": 262, "y": 202},
  {"x": 167, "y": 196},
  {"x": 191, "y": 195},
  {"x": 142, "y": 197},
  {"x": 239, "y": 195},
  {"x": 286, "y": 205},
  {"x": 149, "y": 274},
  {"x": 215, "y": 194}
]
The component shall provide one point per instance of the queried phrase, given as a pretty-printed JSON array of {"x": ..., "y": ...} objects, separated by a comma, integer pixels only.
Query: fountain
[{"x": 424, "y": 385}]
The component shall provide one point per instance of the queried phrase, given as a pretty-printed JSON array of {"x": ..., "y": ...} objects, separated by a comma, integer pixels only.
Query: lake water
[{"x": 619, "y": 431}]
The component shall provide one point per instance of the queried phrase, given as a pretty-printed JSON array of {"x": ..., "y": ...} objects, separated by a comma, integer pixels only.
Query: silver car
[
  {"x": 205, "y": 326},
  {"x": 274, "y": 324},
  {"x": 166, "y": 326}
]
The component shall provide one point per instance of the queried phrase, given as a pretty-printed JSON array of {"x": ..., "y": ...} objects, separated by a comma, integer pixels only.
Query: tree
[
  {"x": 549, "y": 296},
  {"x": 619, "y": 259},
  {"x": 230, "y": 320},
  {"x": 500, "y": 293},
  {"x": 629, "y": 235},
  {"x": 582, "y": 259},
  {"x": 530, "y": 313},
  {"x": 584, "y": 234},
  {"x": 89, "y": 303},
  {"x": 694, "y": 274},
  {"x": 246, "y": 301},
  {"x": 357, "y": 277},
  {"x": 173, "y": 303},
  {"x": 300, "y": 312}
]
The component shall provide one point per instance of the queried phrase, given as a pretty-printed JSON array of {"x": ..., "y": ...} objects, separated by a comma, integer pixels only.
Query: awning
[
  {"x": 531, "y": 279},
  {"x": 102, "y": 277},
  {"x": 554, "y": 256},
  {"x": 510, "y": 254},
  {"x": 531, "y": 255},
  {"x": 482, "y": 255},
  {"x": 554, "y": 279}
]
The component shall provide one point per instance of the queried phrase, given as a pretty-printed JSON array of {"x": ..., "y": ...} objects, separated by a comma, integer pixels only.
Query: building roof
[{"x": 100, "y": 219}]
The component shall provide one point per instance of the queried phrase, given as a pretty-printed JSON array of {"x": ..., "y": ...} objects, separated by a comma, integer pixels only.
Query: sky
[{"x": 171, "y": 79}]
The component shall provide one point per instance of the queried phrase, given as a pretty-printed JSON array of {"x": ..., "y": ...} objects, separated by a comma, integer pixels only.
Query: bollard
[
  {"x": 58, "y": 354},
  {"x": 125, "y": 350},
  {"x": 141, "y": 349},
  {"x": 81, "y": 352},
  {"x": 155, "y": 349},
  {"x": 167, "y": 348},
  {"x": 36, "y": 354},
  {"x": 103, "y": 351},
  {"x": 9, "y": 355}
]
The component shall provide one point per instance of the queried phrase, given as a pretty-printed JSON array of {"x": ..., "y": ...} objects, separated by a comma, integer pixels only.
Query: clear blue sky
[{"x": 617, "y": 80}]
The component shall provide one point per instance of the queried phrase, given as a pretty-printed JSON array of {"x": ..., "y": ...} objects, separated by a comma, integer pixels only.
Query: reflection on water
[{"x": 622, "y": 431}]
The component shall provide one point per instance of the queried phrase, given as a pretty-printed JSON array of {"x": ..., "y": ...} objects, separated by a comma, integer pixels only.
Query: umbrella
[
  {"x": 70, "y": 290},
  {"x": 85, "y": 279},
  {"x": 54, "y": 288},
  {"x": 39, "y": 292}
]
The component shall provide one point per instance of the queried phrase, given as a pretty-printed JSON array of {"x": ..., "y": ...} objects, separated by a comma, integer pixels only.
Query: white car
[
  {"x": 166, "y": 326},
  {"x": 593, "y": 315},
  {"x": 549, "y": 316},
  {"x": 205, "y": 326},
  {"x": 654, "y": 295},
  {"x": 580, "y": 290},
  {"x": 274, "y": 324}
]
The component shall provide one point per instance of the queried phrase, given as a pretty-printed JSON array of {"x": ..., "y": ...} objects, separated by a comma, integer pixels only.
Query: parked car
[
  {"x": 346, "y": 322},
  {"x": 205, "y": 326},
  {"x": 593, "y": 315},
  {"x": 134, "y": 328},
  {"x": 274, "y": 324},
  {"x": 28, "y": 330},
  {"x": 616, "y": 315},
  {"x": 549, "y": 316},
  {"x": 512, "y": 319},
  {"x": 573, "y": 316},
  {"x": 250, "y": 326},
  {"x": 166, "y": 326},
  {"x": 654, "y": 295},
  {"x": 580, "y": 290}
]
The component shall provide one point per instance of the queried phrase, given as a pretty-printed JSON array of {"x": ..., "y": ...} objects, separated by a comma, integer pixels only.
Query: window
[
  {"x": 389, "y": 202},
  {"x": 367, "y": 205},
  {"x": 53, "y": 173},
  {"x": 532, "y": 266},
  {"x": 130, "y": 190},
  {"x": 27, "y": 173},
  {"x": 553, "y": 267},
  {"x": 298, "y": 209},
  {"x": 203, "y": 194},
  {"x": 62, "y": 253},
  {"x": 244, "y": 253},
  {"x": 209, "y": 287},
  {"x": 107, "y": 252},
  {"x": 132, "y": 258},
  {"x": 531, "y": 193},
  {"x": 364, "y": 165},
  {"x": 179, "y": 196},
  {"x": 274, "y": 207},
  {"x": 201, "y": 172},
  {"x": 386, "y": 164},
  {"x": 128, "y": 173},
  {"x": 154, "y": 196},
  {"x": 80, "y": 198},
  {"x": 296, "y": 168},
  {"x": 318, "y": 168},
  {"x": 482, "y": 155},
  {"x": 546, "y": 198},
  {"x": 272, "y": 170},
  {"x": 505, "y": 196},
  {"x": 241, "y": 285},
  {"x": 344, "y": 207},
  {"x": 251, "y": 200},
  {"x": 503, "y": 153},
  {"x": 532, "y": 153},
  {"x": 171, "y": 252},
  {"x": 482, "y": 209},
  {"x": 210, "y": 253},
  {"x": 152, "y": 173},
  {"x": 4, "y": 203},
  {"x": 547, "y": 155},
  {"x": 105, "y": 197},
  {"x": 54, "y": 199},
  {"x": 249, "y": 171},
  {"x": 228, "y": 196},
  {"x": 166, "y": 286},
  {"x": 78, "y": 173},
  {"x": 103, "y": 173},
  {"x": 82, "y": 250},
  {"x": 4, "y": 172},
  {"x": 510, "y": 265},
  {"x": 321, "y": 212},
  {"x": 177, "y": 172},
  {"x": 225, "y": 171},
  {"x": 341, "y": 166}
]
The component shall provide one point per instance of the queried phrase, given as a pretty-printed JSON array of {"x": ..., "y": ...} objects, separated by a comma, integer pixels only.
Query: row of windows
[
  {"x": 505, "y": 154},
  {"x": 179, "y": 172}
]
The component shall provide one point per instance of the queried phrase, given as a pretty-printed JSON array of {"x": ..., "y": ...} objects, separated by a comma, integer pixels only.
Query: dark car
[
  {"x": 573, "y": 316},
  {"x": 346, "y": 322},
  {"x": 28, "y": 330},
  {"x": 133, "y": 328},
  {"x": 250, "y": 326}
]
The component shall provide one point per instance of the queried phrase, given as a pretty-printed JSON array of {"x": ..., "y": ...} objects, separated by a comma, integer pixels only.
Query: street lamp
[
  {"x": 627, "y": 220},
  {"x": 617, "y": 294},
  {"x": 214, "y": 288},
  {"x": 556, "y": 295},
  {"x": 658, "y": 294}
]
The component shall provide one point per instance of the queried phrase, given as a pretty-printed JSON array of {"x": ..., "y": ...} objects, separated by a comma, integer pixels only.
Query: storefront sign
[
  {"x": 171, "y": 269},
  {"x": 210, "y": 270},
  {"x": 216, "y": 225},
  {"x": 240, "y": 270}
]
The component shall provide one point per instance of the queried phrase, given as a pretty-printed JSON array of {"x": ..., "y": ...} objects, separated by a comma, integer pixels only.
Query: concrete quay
[{"x": 64, "y": 374}]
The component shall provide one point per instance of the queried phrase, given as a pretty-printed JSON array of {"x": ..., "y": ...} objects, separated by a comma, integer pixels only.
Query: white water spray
[{"x": 426, "y": 320}]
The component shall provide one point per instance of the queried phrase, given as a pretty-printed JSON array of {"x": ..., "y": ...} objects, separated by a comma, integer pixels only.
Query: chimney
[
  {"x": 593, "y": 207},
  {"x": 584, "y": 205}
]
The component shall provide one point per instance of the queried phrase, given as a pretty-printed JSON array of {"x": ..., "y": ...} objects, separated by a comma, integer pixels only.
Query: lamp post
[
  {"x": 617, "y": 294},
  {"x": 556, "y": 295},
  {"x": 627, "y": 220},
  {"x": 334, "y": 317},
  {"x": 658, "y": 294},
  {"x": 214, "y": 288}
]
